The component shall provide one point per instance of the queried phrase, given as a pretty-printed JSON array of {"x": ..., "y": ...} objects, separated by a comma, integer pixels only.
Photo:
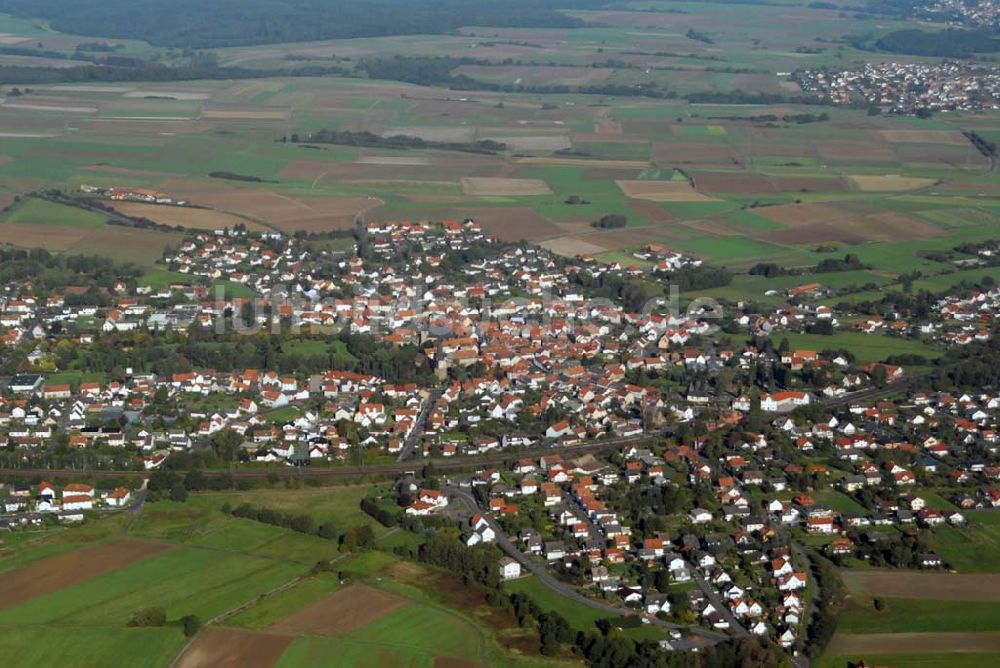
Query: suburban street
[
  {"x": 698, "y": 637},
  {"x": 413, "y": 438}
]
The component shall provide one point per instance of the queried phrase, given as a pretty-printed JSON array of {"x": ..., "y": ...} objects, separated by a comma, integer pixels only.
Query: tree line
[
  {"x": 220, "y": 23},
  {"x": 371, "y": 140}
]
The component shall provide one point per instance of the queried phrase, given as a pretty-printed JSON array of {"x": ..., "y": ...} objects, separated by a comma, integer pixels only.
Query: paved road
[
  {"x": 699, "y": 637},
  {"x": 804, "y": 554},
  {"x": 421, "y": 424},
  {"x": 712, "y": 594}
]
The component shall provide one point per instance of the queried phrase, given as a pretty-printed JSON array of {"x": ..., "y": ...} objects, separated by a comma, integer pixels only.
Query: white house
[
  {"x": 509, "y": 569},
  {"x": 700, "y": 516}
]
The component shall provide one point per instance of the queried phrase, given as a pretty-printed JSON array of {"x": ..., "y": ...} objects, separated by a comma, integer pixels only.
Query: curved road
[{"x": 699, "y": 637}]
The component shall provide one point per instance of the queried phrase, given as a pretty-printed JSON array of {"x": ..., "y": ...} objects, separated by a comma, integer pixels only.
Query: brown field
[
  {"x": 126, "y": 244},
  {"x": 452, "y": 662},
  {"x": 992, "y": 187},
  {"x": 539, "y": 143},
  {"x": 647, "y": 127},
  {"x": 510, "y": 223},
  {"x": 50, "y": 237},
  {"x": 9, "y": 39},
  {"x": 815, "y": 223},
  {"x": 586, "y": 162},
  {"x": 652, "y": 211},
  {"x": 923, "y": 136},
  {"x": 411, "y": 161},
  {"x": 289, "y": 213},
  {"x": 146, "y": 127},
  {"x": 188, "y": 217},
  {"x": 718, "y": 182},
  {"x": 662, "y": 191},
  {"x": 862, "y": 644},
  {"x": 800, "y": 214},
  {"x": 73, "y": 568},
  {"x": 955, "y": 155},
  {"x": 667, "y": 154},
  {"x": 246, "y": 114},
  {"x": 345, "y": 610},
  {"x": 855, "y": 150},
  {"x": 481, "y": 186},
  {"x": 571, "y": 247},
  {"x": 608, "y": 128},
  {"x": 633, "y": 237},
  {"x": 36, "y": 106},
  {"x": 924, "y": 585},
  {"x": 808, "y": 183},
  {"x": 218, "y": 647},
  {"x": 50, "y": 103},
  {"x": 853, "y": 231},
  {"x": 889, "y": 182}
]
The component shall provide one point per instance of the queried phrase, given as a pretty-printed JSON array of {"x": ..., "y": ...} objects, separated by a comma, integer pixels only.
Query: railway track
[{"x": 389, "y": 469}]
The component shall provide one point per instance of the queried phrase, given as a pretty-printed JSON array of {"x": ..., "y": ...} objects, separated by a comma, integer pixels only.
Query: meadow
[
  {"x": 82, "y": 584},
  {"x": 971, "y": 549}
]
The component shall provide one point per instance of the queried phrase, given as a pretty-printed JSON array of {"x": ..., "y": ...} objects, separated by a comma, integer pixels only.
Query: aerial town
[
  {"x": 908, "y": 88},
  {"x": 755, "y": 450},
  {"x": 520, "y": 334}
]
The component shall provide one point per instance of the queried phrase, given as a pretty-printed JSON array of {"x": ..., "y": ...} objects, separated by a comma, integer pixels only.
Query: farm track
[{"x": 232, "y": 612}]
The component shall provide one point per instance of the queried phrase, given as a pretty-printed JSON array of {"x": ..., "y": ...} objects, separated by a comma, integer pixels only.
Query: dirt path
[{"x": 180, "y": 661}]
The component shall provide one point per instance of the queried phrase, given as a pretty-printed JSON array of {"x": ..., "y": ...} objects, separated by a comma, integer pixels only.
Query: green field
[
  {"x": 971, "y": 549},
  {"x": 32, "y": 547},
  {"x": 277, "y": 607},
  {"x": 865, "y": 347},
  {"x": 838, "y": 501},
  {"x": 186, "y": 580},
  {"x": 31, "y": 646},
  {"x": 916, "y": 616},
  {"x": 42, "y": 212},
  {"x": 579, "y": 616},
  {"x": 341, "y": 505}
]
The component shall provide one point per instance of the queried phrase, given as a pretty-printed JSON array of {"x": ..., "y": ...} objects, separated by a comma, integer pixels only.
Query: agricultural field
[
  {"x": 732, "y": 184},
  {"x": 755, "y": 193},
  {"x": 914, "y": 618},
  {"x": 679, "y": 117},
  {"x": 61, "y": 587}
]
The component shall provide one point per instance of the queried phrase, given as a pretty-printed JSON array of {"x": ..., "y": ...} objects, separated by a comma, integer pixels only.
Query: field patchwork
[{"x": 662, "y": 191}]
